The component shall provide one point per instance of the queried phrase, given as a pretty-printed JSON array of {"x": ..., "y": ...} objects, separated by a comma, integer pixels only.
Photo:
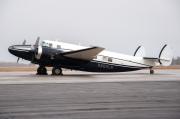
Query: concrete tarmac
[{"x": 79, "y": 95}]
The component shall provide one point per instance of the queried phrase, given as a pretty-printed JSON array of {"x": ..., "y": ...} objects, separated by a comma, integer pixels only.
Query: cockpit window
[{"x": 45, "y": 44}]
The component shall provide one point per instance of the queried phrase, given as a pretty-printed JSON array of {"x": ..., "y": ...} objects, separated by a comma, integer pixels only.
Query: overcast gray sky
[{"x": 118, "y": 25}]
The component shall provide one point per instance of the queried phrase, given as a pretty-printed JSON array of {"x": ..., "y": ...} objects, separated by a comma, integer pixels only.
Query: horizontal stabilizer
[
  {"x": 165, "y": 57},
  {"x": 156, "y": 59},
  {"x": 151, "y": 58},
  {"x": 84, "y": 54}
]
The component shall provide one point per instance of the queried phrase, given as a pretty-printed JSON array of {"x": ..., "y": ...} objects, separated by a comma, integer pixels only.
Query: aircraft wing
[{"x": 83, "y": 54}]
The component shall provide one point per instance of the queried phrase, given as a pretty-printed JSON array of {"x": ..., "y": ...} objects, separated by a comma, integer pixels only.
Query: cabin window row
[{"x": 104, "y": 58}]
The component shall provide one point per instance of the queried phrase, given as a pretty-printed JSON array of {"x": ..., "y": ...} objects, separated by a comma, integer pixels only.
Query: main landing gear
[
  {"x": 57, "y": 71},
  {"x": 43, "y": 71},
  {"x": 151, "y": 71}
]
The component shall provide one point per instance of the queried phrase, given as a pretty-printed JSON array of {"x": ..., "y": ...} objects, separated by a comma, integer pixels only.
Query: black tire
[
  {"x": 41, "y": 71},
  {"x": 56, "y": 71},
  {"x": 151, "y": 71}
]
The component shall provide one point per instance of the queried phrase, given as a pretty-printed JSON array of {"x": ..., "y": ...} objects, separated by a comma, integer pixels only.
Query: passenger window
[
  {"x": 50, "y": 45},
  {"x": 109, "y": 59},
  {"x": 105, "y": 58},
  {"x": 58, "y": 47},
  {"x": 43, "y": 43}
]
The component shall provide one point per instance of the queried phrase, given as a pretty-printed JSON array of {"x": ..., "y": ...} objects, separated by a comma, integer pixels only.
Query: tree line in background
[{"x": 176, "y": 61}]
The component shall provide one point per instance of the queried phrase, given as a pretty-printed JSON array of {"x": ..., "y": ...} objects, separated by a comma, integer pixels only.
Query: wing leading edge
[{"x": 84, "y": 54}]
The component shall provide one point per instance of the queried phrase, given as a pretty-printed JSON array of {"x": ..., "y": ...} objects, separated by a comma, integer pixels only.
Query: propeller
[
  {"x": 24, "y": 43},
  {"x": 37, "y": 42},
  {"x": 36, "y": 49},
  {"x": 18, "y": 60},
  {"x": 36, "y": 45}
]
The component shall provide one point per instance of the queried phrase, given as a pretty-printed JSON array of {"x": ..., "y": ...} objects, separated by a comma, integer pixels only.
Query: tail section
[
  {"x": 164, "y": 59},
  {"x": 165, "y": 56}
]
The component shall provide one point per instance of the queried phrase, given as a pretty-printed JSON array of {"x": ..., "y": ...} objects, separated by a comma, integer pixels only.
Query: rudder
[
  {"x": 140, "y": 51},
  {"x": 165, "y": 56}
]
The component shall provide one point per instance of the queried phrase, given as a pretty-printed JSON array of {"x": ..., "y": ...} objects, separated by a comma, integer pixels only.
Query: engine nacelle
[{"x": 38, "y": 52}]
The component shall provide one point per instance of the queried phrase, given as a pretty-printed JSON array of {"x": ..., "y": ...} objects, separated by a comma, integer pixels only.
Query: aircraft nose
[
  {"x": 11, "y": 49},
  {"x": 22, "y": 51}
]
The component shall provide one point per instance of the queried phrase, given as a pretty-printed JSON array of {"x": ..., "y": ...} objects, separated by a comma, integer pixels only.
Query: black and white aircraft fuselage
[{"x": 93, "y": 59}]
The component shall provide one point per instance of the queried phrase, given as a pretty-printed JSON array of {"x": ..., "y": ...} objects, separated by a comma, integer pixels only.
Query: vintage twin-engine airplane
[{"x": 93, "y": 59}]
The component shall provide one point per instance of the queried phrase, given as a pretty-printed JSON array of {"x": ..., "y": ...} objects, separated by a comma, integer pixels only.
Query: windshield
[{"x": 45, "y": 44}]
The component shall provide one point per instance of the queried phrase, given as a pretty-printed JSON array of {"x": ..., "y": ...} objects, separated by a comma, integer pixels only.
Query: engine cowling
[{"x": 38, "y": 52}]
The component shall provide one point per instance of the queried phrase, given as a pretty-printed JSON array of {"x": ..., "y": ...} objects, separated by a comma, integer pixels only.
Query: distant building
[{"x": 176, "y": 61}]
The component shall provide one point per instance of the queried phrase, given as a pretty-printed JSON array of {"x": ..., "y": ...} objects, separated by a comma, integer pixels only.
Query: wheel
[
  {"x": 151, "y": 71},
  {"x": 56, "y": 71},
  {"x": 41, "y": 70}
]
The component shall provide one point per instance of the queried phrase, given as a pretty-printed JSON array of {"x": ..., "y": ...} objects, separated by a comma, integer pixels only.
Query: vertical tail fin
[
  {"x": 165, "y": 56},
  {"x": 140, "y": 51}
]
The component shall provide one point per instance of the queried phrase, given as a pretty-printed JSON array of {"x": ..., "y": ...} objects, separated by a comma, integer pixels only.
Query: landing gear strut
[
  {"x": 41, "y": 70},
  {"x": 151, "y": 71},
  {"x": 57, "y": 71}
]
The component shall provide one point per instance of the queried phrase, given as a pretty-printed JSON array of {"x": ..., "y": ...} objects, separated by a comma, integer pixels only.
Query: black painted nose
[
  {"x": 11, "y": 49},
  {"x": 15, "y": 50},
  {"x": 21, "y": 51}
]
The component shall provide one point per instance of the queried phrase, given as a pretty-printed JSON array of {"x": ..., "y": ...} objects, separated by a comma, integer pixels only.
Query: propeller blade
[
  {"x": 37, "y": 42},
  {"x": 34, "y": 57},
  {"x": 24, "y": 42},
  {"x": 18, "y": 59}
]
